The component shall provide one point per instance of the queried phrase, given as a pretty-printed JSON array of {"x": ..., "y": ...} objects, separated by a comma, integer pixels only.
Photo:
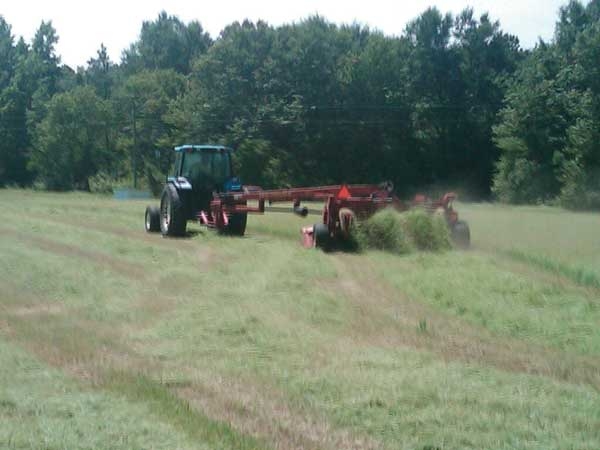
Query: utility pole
[{"x": 134, "y": 149}]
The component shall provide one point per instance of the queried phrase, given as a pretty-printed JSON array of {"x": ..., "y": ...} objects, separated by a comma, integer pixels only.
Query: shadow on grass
[
  {"x": 341, "y": 246},
  {"x": 189, "y": 234}
]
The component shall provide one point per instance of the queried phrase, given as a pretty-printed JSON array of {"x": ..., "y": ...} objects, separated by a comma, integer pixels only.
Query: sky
[{"x": 83, "y": 25}]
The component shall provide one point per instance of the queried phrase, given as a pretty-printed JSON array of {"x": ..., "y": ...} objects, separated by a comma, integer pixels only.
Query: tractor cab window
[
  {"x": 176, "y": 164},
  {"x": 206, "y": 166}
]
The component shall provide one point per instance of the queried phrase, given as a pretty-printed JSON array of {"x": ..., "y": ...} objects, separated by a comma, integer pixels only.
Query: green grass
[
  {"x": 498, "y": 298},
  {"x": 178, "y": 412},
  {"x": 583, "y": 275},
  {"x": 255, "y": 342},
  {"x": 551, "y": 238},
  {"x": 42, "y": 408}
]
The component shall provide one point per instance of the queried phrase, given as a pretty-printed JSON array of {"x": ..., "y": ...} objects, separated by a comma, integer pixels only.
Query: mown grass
[
  {"x": 412, "y": 400},
  {"x": 563, "y": 242},
  {"x": 487, "y": 294},
  {"x": 178, "y": 412},
  {"x": 256, "y": 342},
  {"x": 580, "y": 274},
  {"x": 41, "y": 408}
]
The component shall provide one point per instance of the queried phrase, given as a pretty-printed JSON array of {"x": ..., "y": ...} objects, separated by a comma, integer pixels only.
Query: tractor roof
[{"x": 183, "y": 148}]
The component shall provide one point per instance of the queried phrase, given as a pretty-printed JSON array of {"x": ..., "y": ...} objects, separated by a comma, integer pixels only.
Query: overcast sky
[{"x": 82, "y": 25}]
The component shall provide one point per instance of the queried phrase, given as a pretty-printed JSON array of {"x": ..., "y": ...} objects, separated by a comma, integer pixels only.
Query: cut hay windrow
[{"x": 403, "y": 233}]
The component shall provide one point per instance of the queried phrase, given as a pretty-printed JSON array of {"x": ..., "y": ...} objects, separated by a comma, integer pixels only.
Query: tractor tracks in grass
[
  {"x": 92, "y": 351},
  {"x": 104, "y": 260},
  {"x": 121, "y": 232},
  {"x": 202, "y": 255},
  {"x": 99, "y": 360},
  {"x": 386, "y": 317},
  {"x": 260, "y": 411}
]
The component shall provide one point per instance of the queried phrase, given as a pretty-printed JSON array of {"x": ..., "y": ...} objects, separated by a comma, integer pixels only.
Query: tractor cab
[
  {"x": 200, "y": 171},
  {"x": 207, "y": 168}
]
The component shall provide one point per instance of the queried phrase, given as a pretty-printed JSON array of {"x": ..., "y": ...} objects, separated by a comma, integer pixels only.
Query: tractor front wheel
[
  {"x": 152, "y": 222},
  {"x": 172, "y": 215}
]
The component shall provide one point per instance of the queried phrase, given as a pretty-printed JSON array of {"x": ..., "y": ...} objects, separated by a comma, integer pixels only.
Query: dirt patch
[
  {"x": 18, "y": 304},
  {"x": 388, "y": 318},
  {"x": 5, "y": 328}
]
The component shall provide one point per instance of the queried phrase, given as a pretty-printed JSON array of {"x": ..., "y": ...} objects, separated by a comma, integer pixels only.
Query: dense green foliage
[
  {"x": 451, "y": 101},
  {"x": 548, "y": 130}
]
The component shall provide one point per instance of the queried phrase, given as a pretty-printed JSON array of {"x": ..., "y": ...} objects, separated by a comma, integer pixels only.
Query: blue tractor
[{"x": 199, "y": 172}]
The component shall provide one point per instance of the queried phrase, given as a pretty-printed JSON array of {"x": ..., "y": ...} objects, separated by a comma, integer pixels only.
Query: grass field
[{"x": 113, "y": 338}]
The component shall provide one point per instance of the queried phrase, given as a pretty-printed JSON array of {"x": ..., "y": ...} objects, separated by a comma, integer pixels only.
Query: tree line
[{"x": 453, "y": 101}]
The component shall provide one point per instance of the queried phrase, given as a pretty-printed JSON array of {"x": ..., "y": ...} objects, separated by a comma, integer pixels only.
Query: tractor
[
  {"x": 202, "y": 187},
  {"x": 199, "y": 172}
]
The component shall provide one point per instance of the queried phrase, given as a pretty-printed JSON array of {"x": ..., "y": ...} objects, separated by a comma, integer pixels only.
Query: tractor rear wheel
[
  {"x": 237, "y": 224},
  {"x": 172, "y": 215},
  {"x": 152, "y": 222},
  {"x": 461, "y": 235}
]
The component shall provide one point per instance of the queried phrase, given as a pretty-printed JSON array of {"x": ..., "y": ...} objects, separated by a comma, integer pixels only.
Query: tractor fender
[{"x": 180, "y": 183}]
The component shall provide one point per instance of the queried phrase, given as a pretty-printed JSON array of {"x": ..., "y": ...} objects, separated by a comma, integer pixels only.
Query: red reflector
[{"x": 344, "y": 193}]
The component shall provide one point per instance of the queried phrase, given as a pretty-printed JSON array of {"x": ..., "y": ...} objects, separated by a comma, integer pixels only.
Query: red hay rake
[{"x": 343, "y": 204}]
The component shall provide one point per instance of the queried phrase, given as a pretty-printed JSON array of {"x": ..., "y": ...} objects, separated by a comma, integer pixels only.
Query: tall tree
[
  {"x": 532, "y": 131},
  {"x": 42, "y": 70},
  {"x": 99, "y": 73},
  {"x": 69, "y": 141},
  {"x": 434, "y": 89},
  {"x": 13, "y": 104},
  {"x": 7, "y": 53},
  {"x": 488, "y": 58},
  {"x": 142, "y": 103},
  {"x": 547, "y": 132},
  {"x": 167, "y": 43},
  {"x": 6, "y": 71}
]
